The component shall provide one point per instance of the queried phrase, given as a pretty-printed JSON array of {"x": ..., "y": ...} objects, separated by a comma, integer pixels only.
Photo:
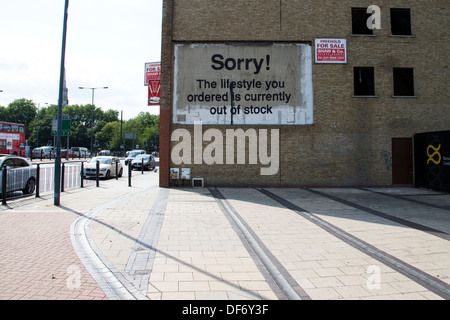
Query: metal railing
[
  {"x": 44, "y": 178},
  {"x": 71, "y": 177},
  {"x": 68, "y": 156},
  {"x": 12, "y": 181}
]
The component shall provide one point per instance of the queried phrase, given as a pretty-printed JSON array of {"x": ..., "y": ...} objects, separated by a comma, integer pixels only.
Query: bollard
[
  {"x": 82, "y": 176},
  {"x": 4, "y": 185},
  {"x": 97, "y": 175},
  {"x": 38, "y": 174},
  {"x": 62, "y": 177},
  {"x": 129, "y": 174},
  {"x": 142, "y": 166},
  {"x": 117, "y": 170}
]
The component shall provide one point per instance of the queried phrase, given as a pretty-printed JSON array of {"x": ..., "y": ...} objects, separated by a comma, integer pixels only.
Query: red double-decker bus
[{"x": 12, "y": 138}]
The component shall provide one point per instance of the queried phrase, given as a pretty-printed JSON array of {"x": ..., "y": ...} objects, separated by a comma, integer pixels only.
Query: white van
[{"x": 81, "y": 152}]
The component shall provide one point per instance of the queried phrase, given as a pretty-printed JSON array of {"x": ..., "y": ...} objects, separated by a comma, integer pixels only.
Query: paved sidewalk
[
  {"x": 146, "y": 242},
  {"x": 37, "y": 258}
]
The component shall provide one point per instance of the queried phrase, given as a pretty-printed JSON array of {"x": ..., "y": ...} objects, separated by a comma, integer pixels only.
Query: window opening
[
  {"x": 403, "y": 82},
  {"x": 364, "y": 84},
  {"x": 401, "y": 22},
  {"x": 359, "y": 22}
]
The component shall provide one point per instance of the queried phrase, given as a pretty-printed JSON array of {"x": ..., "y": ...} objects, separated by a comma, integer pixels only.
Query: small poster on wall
[
  {"x": 152, "y": 81},
  {"x": 331, "y": 50}
]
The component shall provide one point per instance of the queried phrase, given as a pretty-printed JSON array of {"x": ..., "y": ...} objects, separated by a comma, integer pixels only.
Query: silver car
[
  {"x": 21, "y": 174},
  {"x": 143, "y": 159},
  {"x": 107, "y": 167},
  {"x": 44, "y": 152},
  {"x": 132, "y": 154},
  {"x": 81, "y": 152}
]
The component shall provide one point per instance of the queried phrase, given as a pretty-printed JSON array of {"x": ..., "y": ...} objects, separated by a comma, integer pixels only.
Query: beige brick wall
[{"x": 344, "y": 145}]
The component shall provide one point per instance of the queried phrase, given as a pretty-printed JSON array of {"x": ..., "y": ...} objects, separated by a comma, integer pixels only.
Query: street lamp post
[
  {"x": 57, "y": 191},
  {"x": 92, "y": 115}
]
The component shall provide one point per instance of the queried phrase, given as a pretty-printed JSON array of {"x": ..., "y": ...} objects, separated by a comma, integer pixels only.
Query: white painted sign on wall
[{"x": 264, "y": 84}]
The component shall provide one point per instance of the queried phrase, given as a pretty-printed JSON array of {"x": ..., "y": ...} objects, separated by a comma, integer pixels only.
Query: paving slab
[{"x": 146, "y": 242}]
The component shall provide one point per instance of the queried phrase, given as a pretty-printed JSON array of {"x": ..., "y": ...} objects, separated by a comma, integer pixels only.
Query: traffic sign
[{"x": 65, "y": 127}]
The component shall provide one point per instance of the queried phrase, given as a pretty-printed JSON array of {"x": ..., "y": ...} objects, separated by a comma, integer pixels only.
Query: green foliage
[
  {"x": 106, "y": 125},
  {"x": 20, "y": 111},
  {"x": 42, "y": 123},
  {"x": 145, "y": 125}
]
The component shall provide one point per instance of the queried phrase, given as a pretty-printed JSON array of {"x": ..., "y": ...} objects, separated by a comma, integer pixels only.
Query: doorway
[{"x": 402, "y": 161}]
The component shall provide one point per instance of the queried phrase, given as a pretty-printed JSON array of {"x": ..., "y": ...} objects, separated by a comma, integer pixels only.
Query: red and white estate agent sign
[
  {"x": 331, "y": 50},
  {"x": 152, "y": 80}
]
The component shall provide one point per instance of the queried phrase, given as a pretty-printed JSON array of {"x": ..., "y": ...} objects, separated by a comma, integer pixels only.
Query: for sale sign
[
  {"x": 152, "y": 71},
  {"x": 152, "y": 80},
  {"x": 331, "y": 50}
]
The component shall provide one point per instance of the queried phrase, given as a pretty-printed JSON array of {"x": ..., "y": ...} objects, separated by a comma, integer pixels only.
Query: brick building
[{"x": 346, "y": 95}]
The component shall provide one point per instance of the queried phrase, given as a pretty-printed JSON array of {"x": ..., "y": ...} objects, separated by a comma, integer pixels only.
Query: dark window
[
  {"x": 359, "y": 21},
  {"x": 9, "y": 163},
  {"x": 401, "y": 22},
  {"x": 364, "y": 81},
  {"x": 403, "y": 82}
]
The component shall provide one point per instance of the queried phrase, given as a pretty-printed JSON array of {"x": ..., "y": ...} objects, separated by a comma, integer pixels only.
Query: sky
[{"x": 108, "y": 44}]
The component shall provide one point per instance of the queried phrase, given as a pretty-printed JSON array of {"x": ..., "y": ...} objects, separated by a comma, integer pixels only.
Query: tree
[
  {"x": 111, "y": 115},
  {"x": 109, "y": 133},
  {"x": 145, "y": 125},
  {"x": 21, "y": 111},
  {"x": 3, "y": 113},
  {"x": 106, "y": 126},
  {"x": 42, "y": 126}
]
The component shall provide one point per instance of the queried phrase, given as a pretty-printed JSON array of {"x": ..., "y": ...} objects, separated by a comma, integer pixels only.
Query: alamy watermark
[
  {"x": 73, "y": 281},
  {"x": 374, "y": 21},
  {"x": 374, "y": 280},
  {"x": 230, "y": 148}
]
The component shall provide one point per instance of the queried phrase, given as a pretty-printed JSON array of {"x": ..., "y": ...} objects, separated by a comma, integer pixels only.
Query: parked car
[
  {"x": 81, "y": 152},
  {"x": 104, "y": 153},
  {"x": 133, "y": 154},
  {"x": 107, "y": 167},
  {"x": 147, "y": 160},
  {"x": 67, "y": 153},
  {"x": 64, "y": 153},
  {"x": 44, "y": 152},
  {"x": 21, "y": 174}
]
